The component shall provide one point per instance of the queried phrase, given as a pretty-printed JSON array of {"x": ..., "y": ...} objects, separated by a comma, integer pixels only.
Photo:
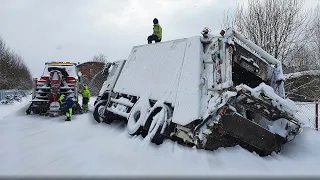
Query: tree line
[
  {"x": 14, "y": 74},
  {"x": 286, "y": 29}
]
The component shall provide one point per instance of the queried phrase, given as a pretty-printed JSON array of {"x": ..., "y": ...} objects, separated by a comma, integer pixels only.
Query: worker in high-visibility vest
[
  {"x": 66, "y": 104},
  {"x": 85, "y": 98},
  {"x": 157, "y": 32}
]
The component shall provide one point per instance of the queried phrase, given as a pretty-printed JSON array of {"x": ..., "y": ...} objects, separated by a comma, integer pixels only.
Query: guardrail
[{"x": 4, "y": 93}]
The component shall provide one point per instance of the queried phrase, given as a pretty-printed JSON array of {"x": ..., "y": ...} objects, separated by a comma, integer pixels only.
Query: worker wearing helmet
[
  {"x": 67, "y": 103},
  {"x": 157, "y": 32},
  {"x": 85, "y": 98}
]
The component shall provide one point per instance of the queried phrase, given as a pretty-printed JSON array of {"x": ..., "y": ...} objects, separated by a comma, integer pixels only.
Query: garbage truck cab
[{"x": 208, "y": 91}]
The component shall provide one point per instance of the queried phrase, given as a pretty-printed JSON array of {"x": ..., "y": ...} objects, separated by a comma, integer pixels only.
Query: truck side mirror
[{"x": 105, "y": 71}]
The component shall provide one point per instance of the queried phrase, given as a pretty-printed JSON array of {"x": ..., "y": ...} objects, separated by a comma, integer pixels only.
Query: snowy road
[{"x": 45, "y": 146}]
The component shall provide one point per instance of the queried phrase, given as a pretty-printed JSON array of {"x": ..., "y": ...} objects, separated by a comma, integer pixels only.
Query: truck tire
[
  {"x": 135, "y": 119},
  {"x": 28, "y": 111},
  {"x": 77, "y": 108},
  {"x": 158, "y": 137},
  {"x": 137, "y": 116},
  {"x": 154, "y": 111},
  {"x": 96, "y": 114}
]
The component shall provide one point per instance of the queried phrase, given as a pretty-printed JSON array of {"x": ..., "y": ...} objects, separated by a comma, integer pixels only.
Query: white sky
[{"x": 76, "y": 30}]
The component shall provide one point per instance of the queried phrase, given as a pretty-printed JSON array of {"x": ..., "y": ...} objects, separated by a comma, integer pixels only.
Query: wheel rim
[
  {"x": 136, "y": 116},
  {"x": 101, "y": 111}
]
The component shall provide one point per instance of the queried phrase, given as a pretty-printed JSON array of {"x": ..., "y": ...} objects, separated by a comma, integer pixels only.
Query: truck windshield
[{"x": 70, "y": 69}]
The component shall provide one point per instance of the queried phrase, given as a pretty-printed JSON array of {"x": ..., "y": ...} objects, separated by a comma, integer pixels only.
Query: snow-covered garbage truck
[
  {"x": 206, "y": 91},
  {"x": 57, "y": 78}
]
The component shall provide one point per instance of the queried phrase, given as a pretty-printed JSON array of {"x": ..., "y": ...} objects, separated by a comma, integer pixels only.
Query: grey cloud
[{"x": 83, "y": 28}]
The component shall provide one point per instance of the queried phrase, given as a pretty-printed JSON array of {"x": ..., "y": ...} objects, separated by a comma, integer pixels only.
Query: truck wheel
[
  {"x": 153, "y": 112},
  {"x": 136, "y": 117},
  {"x": 158, "y": 138},
  {"x": 108, "y": 117},
  {"x": 156, "y": 127},
  {"x": 98, "y": 113},
  {"x": 28, "y": 111}
]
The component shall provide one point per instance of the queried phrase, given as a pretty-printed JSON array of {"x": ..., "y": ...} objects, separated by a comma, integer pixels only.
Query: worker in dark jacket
[
  {"x": 66, "y": 104},
  {"x": 157, "y": 32},
  {"x": 85, "y": 98}
]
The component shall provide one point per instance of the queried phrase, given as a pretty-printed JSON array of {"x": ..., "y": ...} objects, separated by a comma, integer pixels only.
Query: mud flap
[{"x": 251, "y": 133}]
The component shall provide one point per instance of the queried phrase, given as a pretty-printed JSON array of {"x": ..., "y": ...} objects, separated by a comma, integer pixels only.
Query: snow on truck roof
[{"x": 168, "y": 71}]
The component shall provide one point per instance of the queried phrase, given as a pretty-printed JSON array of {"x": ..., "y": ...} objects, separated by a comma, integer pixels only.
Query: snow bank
[
  {"x": 35, "y": 145},
  {"x": 7, "y": 109}
]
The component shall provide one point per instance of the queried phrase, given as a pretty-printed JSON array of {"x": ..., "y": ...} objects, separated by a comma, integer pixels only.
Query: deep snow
[{"x": 36, "y": 145}]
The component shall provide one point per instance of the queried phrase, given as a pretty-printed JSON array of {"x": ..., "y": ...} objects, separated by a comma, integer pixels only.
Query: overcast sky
[{"x": 76, "y": 30}]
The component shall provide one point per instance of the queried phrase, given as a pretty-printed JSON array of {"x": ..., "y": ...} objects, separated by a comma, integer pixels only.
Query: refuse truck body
[{"x": 206, "y": 91}]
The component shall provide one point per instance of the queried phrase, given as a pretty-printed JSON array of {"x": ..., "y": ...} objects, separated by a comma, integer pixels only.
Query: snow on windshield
[{"x": 71, "y": 69}]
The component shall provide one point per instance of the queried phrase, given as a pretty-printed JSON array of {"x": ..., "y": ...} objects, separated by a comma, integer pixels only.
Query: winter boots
[{"x": 69, "y": 114}]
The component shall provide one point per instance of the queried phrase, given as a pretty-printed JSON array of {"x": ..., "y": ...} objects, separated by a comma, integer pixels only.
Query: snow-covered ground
[
  {"x": 5, "y": 109},
  {"x": 36, "y": 145}
]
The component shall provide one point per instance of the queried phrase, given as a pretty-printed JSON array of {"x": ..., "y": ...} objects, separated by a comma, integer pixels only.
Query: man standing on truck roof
[
  {"x": 157, "y": 32},
  {"x": 66, "y": 105},
  {"x": 85, "y": 98}
]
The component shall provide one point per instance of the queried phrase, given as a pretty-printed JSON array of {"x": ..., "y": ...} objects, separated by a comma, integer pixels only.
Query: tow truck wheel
[
  {"x": 98, "y": 112},
  {"x": 28, "y": 111}
]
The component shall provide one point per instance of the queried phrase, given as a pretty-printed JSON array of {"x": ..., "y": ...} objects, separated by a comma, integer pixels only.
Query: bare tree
[
  {"x": 13, "y": 71},
  {"x": 282, "y": 28},
  {"x": 228, "y": 20},
  {"x": 315, "y": 28},
  {"x": 306, "y": 86},
  {"x": 275, "y": 25},
  {"x": 100, "y": 58}
]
